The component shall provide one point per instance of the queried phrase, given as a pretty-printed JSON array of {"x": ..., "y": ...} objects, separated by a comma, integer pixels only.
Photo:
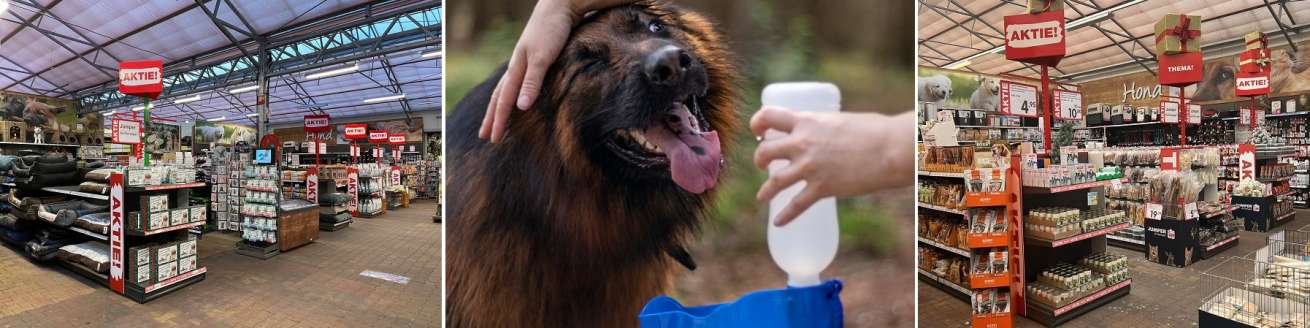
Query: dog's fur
[
  {"x": 988, "y": 94},
  {"x": 935, "y": 89},
  {"x": 548, "y": 228}
]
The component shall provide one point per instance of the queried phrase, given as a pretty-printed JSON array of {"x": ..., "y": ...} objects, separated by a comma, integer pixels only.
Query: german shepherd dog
[{"x": 579, "y": 215}]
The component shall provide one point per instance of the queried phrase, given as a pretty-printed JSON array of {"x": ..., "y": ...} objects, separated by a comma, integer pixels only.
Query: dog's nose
[{"x": 665, "y": 65}]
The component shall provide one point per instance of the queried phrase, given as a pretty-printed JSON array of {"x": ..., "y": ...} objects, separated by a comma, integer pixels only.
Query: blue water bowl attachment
[{"x": 814, "y": 306}]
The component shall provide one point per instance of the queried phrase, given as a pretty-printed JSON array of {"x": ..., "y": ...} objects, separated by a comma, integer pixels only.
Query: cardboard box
[
  {"x": 1173, "y": 37},
  {"x": 179, "y": 216},
  {"x": 166, "y": 271},
  {"x": 159, "y": 220},
  {"x": 1256, "y": 40},
  {"x": 198, "y": 213},
  {"x": 166, "y": 253},
  {"x": 157, "y": 203},
  {"x": 186, "y": 264},
  {"x": 140, "y": 265},
  {"x": 186, "y": 248},
  {"x": 1043, "y": 6},
  {"x": 137, "y": 177}
]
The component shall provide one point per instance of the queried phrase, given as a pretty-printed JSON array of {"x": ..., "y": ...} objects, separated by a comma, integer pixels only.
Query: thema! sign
[
  {"x": 141, "y": 78},
  {"x": 1037, "y": 39},
  {"x": 1181, "y": 70}
]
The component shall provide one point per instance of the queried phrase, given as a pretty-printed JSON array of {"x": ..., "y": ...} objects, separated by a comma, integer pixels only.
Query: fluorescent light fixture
[
  {"x": 433, "y": 54},
  {"x": 138, "y": 108},
  {"x": 1068, "y": 27},
  {"x": 220, "y": 118},
  {"x": 186, "y": 100},
  {"x": 111, "y": 113},
  {"x": 243, "y": 89},
  {"x": 382, "y": 99},
  {"x": 958, "y": 65},
  {"x": 252, "y": 115},
  {"x": 335, "y": 72},
  {"x": 4, "y": 5}
]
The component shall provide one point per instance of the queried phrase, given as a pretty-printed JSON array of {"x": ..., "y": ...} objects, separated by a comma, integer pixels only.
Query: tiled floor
[
  {"x": 317, "y": 285},
  {"x": 1162, "y": 296}
]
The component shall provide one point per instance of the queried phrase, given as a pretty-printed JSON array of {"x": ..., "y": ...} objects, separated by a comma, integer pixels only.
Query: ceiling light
[
  {"x": 386, "y": 98},
  {"x": 111, "y": 113},
  {"x": 243, "y": 89},
  {"x": 252, "y": 115},
  {"x": 186, "y": 100},
  {"x": 138, "y": 108},
  {"x": 433, "y": 54},
  {"x": 335, "y": 72},
  {"x": 958, "y": 65},
  {"x": 4, "y": 5},
  {"x": 220, "y": 118}
]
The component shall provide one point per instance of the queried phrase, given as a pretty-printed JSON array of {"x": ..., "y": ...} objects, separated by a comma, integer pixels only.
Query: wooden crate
[{"x": 297, "y": 228}]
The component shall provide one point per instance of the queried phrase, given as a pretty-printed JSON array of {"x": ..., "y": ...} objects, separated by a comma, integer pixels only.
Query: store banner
[
  {"x": 116, "y": 222},
  {"x": 1246, "y": 162},
  {"x": 1068, "y": 104},
  {"x": 318, "y": 123},
  {"x": 1182, "y": 69},
  {"x": 125, "y": 131},
  {"x": 356, "y": 131},
  {"x": 378, "y": 136},
  {"x": 1019, "y": 99},
  {"x": 1252, "y": 84},
  {"x": 1035, "y": 38},
  {"x": 141, "y": 78},
  {"x": 396, "y": 138},
  {"x": 1169, "y": 111}
]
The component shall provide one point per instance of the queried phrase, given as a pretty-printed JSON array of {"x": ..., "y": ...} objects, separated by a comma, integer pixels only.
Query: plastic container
[
  {"x": 804, "y": 247},
  {"x": 815, "y": 306}
]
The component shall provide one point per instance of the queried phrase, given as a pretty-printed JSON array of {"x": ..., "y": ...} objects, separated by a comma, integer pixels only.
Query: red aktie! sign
[
  {"x": 378, "y": 136},
  {"x": 396, "y": 138},
  {"x": 141, "y": 78},
  {"x": 356, "y": 131},
  {"x": 1037, "y": 39},
  {"x": 317, "y": 123},
  {"x": 1252, "y": 84}
]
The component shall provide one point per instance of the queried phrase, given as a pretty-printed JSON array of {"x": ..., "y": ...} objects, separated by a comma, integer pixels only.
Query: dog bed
[
  {"x": 95, "y": 222},
  {"x": 92, "y": 254},
  {"x": 334, "y": 218},
  {"x": 94, "y": 187}
]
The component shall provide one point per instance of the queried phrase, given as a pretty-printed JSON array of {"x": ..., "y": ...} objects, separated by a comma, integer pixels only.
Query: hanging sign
[
  {"x": 1252, "y": 84},
  {"x": 356, "y": 131},
  {"x": 1246, "y": 161},
  {"x": 1168, "y": 111},
  {"x": 1193, "y": 114},
  {"x": 378, "y": 136},
  {"x": 1035, "y": 38},
  {"x": 124, "y": 131},
  {"x": 141, "y": 78},
  {"x": 1019, "y": 99},
  {"x": 1068, "y": 104},
  {"x": 318, "y": 123},
  {"x": 1169, "y": 159},
  {"x": 1181, "y": 69},
  {"x": 396, "y": 138}
]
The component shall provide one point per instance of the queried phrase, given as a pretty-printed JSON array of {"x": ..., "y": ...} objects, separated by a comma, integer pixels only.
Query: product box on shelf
[
  {"x": 198, "y": 213},
  {"x": 156, "y": 203},
  {"x": 166, "y": 253},
  {"x": 186, "y": 248},
  {"x": 1172, "y": 242},
  {"x": 137, "y": 177},
  {"x": 167, "y": 270},
  {"x": 186, "y": 264},
  {"x": 180, "y": 216},
  {"x": 140, "y": 268}
]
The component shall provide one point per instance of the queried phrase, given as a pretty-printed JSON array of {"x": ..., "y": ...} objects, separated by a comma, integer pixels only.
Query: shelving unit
[{"x": 126, "y": 237}]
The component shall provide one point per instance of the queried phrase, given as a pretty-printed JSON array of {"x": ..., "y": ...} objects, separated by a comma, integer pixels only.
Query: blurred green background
[{"x": 864, "y": 47}]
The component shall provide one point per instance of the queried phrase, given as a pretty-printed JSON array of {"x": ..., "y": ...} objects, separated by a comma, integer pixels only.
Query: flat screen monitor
[{"x": 263, "y": 156}]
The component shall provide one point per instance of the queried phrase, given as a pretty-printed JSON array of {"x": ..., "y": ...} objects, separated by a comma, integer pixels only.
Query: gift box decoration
[
  {"x": 1255, "y": 60},
  {"x": 1044, "y": 6},
  {"x": 1178, "y": 33},
  {"x": 1256, "y": 40}
]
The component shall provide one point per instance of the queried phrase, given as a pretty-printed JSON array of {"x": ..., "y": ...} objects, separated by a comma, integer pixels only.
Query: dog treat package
[{"x": 1177, "y": 34}]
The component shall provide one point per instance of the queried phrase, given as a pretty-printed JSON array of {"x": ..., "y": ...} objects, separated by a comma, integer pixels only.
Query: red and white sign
[
  {"x": 395, "y": 175},
  {"x": 1193, "y": 114},
  {"x": 1169, "y": 159},
  {"x": 1019, "y": 99},
  {"x": 352, "y": 187},
  {"x": 1068, "y": 104},
  {"x": 1244, "y": 116},
  {"x": 378, "y": 136},
  {"x": 1181, "y": 69},
  {"x": 116, "y": 218},
  {"x": 318, "y": 123},
  {"x": 141, "y": 78},
  {"x": 1246, "y": 161},
  {"x": 396, "y": 138},
  {"x": 124, "y": 131},
  {"x": 356, "y": 131},
  {"x": 1037, "y": 39},
  {"x": 1252, "y": 84},
  {"x": 311, "y": 185},
  {"x": 1169, "y": 111}
]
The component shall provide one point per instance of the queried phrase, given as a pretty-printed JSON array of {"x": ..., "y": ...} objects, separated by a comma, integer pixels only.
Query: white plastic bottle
[{"x": 804, "y": 247}]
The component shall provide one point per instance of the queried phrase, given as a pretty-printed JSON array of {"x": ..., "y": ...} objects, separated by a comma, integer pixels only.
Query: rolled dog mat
[
  {"x": 94, "y": 187},
  {"x": 53, "y": 158},
  {"x": 101, "y": 175}
]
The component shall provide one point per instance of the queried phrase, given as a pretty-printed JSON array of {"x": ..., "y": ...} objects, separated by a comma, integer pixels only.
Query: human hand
[
  {"x": 836, "y": 154},
  {"x": 541, "y": 42}
]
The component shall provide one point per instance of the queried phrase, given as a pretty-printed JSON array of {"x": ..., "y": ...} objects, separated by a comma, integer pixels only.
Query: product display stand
[
  {"x": 152, "y": 251},
  {"x": 1041, "y": 254},
  {"x": 368, "y": 186},
  {"x": 1001, "y": 289},
  {"x": 1267, "y": 212}
]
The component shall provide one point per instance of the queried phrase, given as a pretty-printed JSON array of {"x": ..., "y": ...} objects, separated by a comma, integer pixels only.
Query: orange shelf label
[
  {"x": 990, "y": 239},
  {"x": 986, "y": 199},
  {"x": 978, "y": 281}
]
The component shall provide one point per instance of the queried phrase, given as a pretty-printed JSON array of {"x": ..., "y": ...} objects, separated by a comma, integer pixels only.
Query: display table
[{"x": 297, "y": 224}]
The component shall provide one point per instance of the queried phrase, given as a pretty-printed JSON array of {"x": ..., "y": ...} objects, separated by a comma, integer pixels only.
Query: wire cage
[{"x": 1266, "y": 288}]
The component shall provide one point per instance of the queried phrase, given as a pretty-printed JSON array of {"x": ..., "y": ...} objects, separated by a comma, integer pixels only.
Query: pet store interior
[
  {"x": 1113, "y": 163},
  {"x": 220, "y": 163}
]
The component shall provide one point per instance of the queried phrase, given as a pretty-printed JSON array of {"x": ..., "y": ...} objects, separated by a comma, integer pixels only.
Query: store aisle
[
  {"x": 1162, "y": 296},
  {"x": 317, "y": 285}
]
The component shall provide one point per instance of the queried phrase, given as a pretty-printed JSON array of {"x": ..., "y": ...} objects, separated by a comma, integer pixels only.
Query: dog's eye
[{"x": 655, "y": 26}]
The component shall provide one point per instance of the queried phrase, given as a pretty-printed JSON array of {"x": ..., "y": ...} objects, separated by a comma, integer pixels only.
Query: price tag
[
  {"x": 1154, "y": 211},
  {"x": 1190, "y": 211}
]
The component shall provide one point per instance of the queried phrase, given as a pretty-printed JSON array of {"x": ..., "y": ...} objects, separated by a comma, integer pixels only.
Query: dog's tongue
[{"x": 694, "y": 156}]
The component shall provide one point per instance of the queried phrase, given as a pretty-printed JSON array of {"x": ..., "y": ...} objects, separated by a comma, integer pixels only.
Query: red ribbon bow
[{"x": 1180, "y": 31}]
